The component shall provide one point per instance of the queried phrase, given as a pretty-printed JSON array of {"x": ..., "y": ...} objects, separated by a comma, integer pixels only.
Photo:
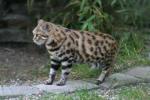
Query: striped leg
[
  {"x": 66, "y": 68},
  {"x": 54, "y": 67},
  {"x": 105, "y": 72}
]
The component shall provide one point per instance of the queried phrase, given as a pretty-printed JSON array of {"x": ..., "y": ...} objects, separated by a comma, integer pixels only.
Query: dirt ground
[{"x": 19, "y": 61}]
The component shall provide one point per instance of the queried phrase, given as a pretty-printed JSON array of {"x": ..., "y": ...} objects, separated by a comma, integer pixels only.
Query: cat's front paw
[
  {"x": 48, "y": 82},
  {"x": 61, "y": 83},
  {"x": 98, "y": 82}
]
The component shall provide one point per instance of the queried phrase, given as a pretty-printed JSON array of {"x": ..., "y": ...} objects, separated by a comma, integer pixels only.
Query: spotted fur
[{"x": 68, "y": 46}]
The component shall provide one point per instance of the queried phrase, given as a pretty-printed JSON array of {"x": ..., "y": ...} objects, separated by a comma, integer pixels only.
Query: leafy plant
[
  {"x": 30, "y": 5},
  {"x": 132, "y": 12},
  {"x": 96, "y": 15}
]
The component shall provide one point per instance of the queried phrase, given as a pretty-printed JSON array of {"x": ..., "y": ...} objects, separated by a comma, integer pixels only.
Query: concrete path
[
  {"x": 132, "y": 76},
  {"x": 70, "y": 87}
]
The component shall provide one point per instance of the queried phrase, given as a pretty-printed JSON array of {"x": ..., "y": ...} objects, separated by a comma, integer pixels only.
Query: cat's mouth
[{"x": 39, "y": 42}]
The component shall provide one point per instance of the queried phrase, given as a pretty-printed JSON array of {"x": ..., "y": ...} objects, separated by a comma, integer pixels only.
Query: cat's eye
[{"x": 43, "y": 37}]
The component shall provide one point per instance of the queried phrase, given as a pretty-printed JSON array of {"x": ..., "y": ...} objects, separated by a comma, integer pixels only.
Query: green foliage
[
  {"x": 90, "y": 14},
  {"x": 130, "y": 43},
  {"x": 85, "y": 15},
  {"x": 78, "y": 95},
  {"x": 96, "y": 15},
  {"x": 132, "y": 12},
  {"x": 30, "y": 5},
  {"x": 131, "y": 46},
  {"x": 84, "y": 71},
  {"x": 133, "y": 93},
  {"x": 102, "y": 14}
]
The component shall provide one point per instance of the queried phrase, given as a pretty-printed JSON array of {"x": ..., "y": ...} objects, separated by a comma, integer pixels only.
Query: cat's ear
[{"x": 46, "y": 27}]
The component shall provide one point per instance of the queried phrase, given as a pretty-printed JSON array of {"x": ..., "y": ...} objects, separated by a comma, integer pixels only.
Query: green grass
[
  {"x": 79, "y": 95},
  {"x": 131, "y": 49},
  {"x": 134, "y": 93},
  {"x": 84, "y": 71}
]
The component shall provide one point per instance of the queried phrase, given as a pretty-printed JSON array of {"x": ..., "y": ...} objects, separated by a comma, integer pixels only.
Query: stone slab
[
  {"x": 140, "y": 72},
  {"x": 18, "y": 90},
  {"x": 119, "y": 79},
  {"x": 70, "y": 87}
]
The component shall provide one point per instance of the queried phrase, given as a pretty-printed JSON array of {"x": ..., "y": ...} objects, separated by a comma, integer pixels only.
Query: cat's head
[
  {"x": 48, "y": 33},
  {"x": 41, "y": 32}
]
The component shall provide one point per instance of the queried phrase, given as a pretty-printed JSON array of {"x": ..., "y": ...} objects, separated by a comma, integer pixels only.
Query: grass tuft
[
  {"x": 78, "y": 95},
  {"x": 133, "y": 93}
]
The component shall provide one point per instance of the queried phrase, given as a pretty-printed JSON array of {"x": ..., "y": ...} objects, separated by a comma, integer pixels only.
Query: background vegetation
[{"x": 97, "y": 14}]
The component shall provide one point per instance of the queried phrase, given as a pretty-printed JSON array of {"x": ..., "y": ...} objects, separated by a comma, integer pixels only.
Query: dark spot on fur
[
  {"x": 93, "y": 57},
  {"x": 67, "y": 51},
  {"x": 72, "y": 50},
  {"x": 106, "y": 41},
  {"x": 100, "y": 34},
  {"x": 102, "y": 42},
  {"x": 56, "y": 67},
  {"x": 88, "y": 33},
  {"x": 87, "y": 55},
  {"x": 64, "y": 59},
  {"x": 109, "y": 44},
  {"x": 89, "y": 41},
  {"x": 105, "y": 49},
  {"x": 66, "y": 73},
  {"x": 77, "y": 43},
  {"x": 93, "y": 37},
  {"x": 110, "y": 38},
  {"x": 102, "y": 54},
  {"x": 99, "y": 49},
  {"x": 81, "y": 32},
  {"x": 97, "y": 58},
  {"x": 71, "y": 38},
  {"x": 88, "y": 59},
  {"x": 76, "y": 35},
  {"x": 68, "y": 44},
  {"x": 95, "y": 52},
  {"x": 79, "y": 54},
  {"x": 96, "y": 43},
  {"x": 56, "y": 30},
  {"x": 104, "y": 36},
  {"x": 91, "y": 49},
  {"x": 95, "y": 33},
  {"x": 60, "y": 55},
  {"x": 62, "y": 31},
  {"x": 83, "y": 46},
  {"x": 65, "y": 67}
]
